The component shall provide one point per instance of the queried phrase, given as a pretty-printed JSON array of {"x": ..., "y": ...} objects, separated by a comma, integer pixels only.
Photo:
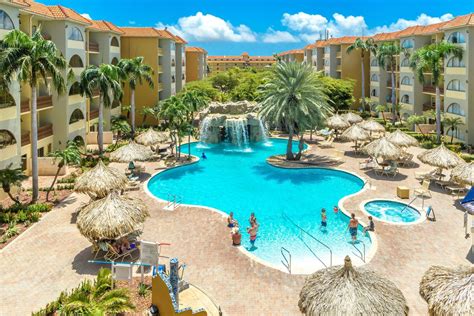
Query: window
[
  {"x": 114, "y": 61},
  {"x": 76, "y": 34},
  {"x": 41, "y": 152},
  {"x": 173, "y": 79},
  {"x": 76, "y": 116},
  {"x": 455, "y": 62},
  {"x": 75, "y": 89},
  {"x": 79, "y": 141},
  {"x": 6, "y": 138},
  {"x": 374, "y": 93},
  {"x": 455, "y": 108},
  {"x": 457, "y": 38},
  {"x": 408, "y": 43},
  {"x": 6, "y": 100},
  {"x": 374, "y": 63},
  {"x": 5, "y": 22},
  {"x": 76, "y": 62},
  {"x": 455, "y": 85},
  {"x": 405, "y": 99},
  {"x": 114, "y": 42},
  {"x": 455, "y": 133},
  {"x": 374, "y": 77},
  {"x": 405, "y": 62},
  {"x": 173, "y": 63},
  {"x": 406, "y": 81}
]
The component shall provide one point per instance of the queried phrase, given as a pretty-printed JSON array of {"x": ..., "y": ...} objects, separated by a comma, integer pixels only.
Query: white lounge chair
[
  {"x": 328, "y": 142},
  {"x": 424, "y": 190}
]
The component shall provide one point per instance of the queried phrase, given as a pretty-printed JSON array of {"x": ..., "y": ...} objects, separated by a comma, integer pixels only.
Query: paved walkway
[{"x": 52, "y": 255}]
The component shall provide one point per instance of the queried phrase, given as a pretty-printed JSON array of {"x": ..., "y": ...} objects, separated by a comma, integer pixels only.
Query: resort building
[
  {"x": 294, "y": 55},
  {"x": 196, "y": 63},
  {"x": 218, "y": 64}
]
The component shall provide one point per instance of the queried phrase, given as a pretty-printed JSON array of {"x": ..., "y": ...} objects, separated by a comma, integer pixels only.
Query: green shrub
[
  {"x": 7, "y": 217},
  {"x": 467, "y": 157},
  {"x": 427, "y": 144},
  {"x": 39, "y": 207},
  {"x": 454, "y": 147},
  {"x": 11, "y": 231},
  {"x": 21, "y": 216},
  {"x": 34, "y": 217},
  {"x": 143, "y": 289}
]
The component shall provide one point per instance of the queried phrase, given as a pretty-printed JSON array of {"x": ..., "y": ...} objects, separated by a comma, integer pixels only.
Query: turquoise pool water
[
  {"x": 239, "y": 180},
  {"x": 392, "y": 211}
]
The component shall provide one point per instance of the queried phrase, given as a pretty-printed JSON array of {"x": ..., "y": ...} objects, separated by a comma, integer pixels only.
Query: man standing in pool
[
  {"x": 324, "y": 218},
  {"x": 252, "y": 231},
  {"x": 252, "y": 219},
  {"x": 352, "y": 227}
]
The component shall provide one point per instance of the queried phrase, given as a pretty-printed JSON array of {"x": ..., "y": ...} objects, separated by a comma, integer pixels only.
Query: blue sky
[{"x": 262, "y": 27}]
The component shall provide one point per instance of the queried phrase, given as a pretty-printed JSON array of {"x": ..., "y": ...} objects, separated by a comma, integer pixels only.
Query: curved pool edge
[
  {"x": 418, "y": 221},
  {"x": 373, "y": 238}
]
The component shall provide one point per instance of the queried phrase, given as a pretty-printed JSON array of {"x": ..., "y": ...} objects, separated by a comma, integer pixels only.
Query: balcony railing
[
  {"x": 44, "y": 102},
  {"x": 93, "y": 47},
  {"x": 25, "y": 138},
  {"x": 432, "y": 89},
  {"x": 45, "y": 131},
  {"x": 25, "y": 106},
  {"x": 94, "y": 114}
]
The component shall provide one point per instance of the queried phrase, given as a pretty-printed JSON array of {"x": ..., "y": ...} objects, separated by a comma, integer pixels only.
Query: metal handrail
[
  {"x": 287, "y": 262},
  {"x": 310, "y": 235},
  {"x": 362, "y": 254},
  {"x": 174, "y": 200},
  {"x": 409, "y": 204}
]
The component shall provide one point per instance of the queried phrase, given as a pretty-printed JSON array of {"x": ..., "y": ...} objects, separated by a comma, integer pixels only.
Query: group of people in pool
[
  {"x": 235, "y": 231},
  {"x": 353, "y": 224}
]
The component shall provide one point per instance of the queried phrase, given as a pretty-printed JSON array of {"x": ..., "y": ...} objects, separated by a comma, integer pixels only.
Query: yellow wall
[
  {"x": 192, "y": 66},
  {"x": 351, "y": 69}
]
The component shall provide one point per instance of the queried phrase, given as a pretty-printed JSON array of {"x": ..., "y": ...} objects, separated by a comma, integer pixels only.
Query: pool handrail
[
  {"x": 287, "y": 260},
  {"x": 362, "y": 254},
  {"x": 310, "y": 235}
]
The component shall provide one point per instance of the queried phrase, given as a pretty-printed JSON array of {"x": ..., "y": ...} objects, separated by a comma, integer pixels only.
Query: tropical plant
[
  {"x": 340, "y": 91},
  {"x": 120, "y": 127},
  {"x": 294, "y": 98},
  {"x": 69, "y": 156},
  {"x": 431, "y": 59},
  {"x": 136, "y": 72},
  {"x": 127, "y": 109},
  {"x": 365, "y": 47},
  {"x": 225, "y": 81},
  {"x": 382, "y": 109},
  {"x": 452, "y": 124},
  {"x": 105, "y": 79},
  {"x": 146, "y": 111},
  {"x": 32, "y": 60},
  {"x": 194, "y": 101},
  {"x": 387, "y": 57},
  {"x": 11, "y": 177},
  {"x": 175, "y": 113},
  {"x": 417, "y": 120}
]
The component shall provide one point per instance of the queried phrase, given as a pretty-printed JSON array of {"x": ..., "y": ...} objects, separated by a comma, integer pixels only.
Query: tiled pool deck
[{"x": 52, "y": 255}]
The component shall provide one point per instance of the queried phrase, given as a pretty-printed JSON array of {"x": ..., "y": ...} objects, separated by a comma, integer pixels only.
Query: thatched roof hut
[
  {"x": 402, "y": 139},
  {"x": 100, "y": 181},
  {"x": 464, "y": 173},
  {"x": 112, "y": 217},
  {"x": 355, "y": 134},
  {"x": 372, "y": 126},
  {"x": 345, "y": 290},
  {"x": 337, "y": 122},
  {"x": 352, "y": 118},
  {"x": 131, "y": 152},
  {"x": 382, "y": 148},
  {"x": 449, "y": 291},
  {"x": 440, "y": 157},
  {"x": 152, "y": 137}
]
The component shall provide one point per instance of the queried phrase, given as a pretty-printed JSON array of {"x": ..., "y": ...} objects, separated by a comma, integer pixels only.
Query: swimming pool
[
  {"x": 239, "y": 180},
  {"x": 392, "y": 211}
]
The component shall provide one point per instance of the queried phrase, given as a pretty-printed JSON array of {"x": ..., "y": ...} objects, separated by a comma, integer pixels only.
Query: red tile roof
[
  {"x": 292, "y": 52},
  {"x": 105, "y": 26},
  {"x": 191, "y": 49},
  {"x": 460, "y": 21}
]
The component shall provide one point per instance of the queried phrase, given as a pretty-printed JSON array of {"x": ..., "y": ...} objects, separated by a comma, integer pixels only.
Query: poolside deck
[{"x": 52, "y": 255}]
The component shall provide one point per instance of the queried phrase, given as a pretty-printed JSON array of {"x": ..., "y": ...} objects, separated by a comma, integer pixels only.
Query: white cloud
[
  {"x": 86, "y": 15},
  {"x": 207, "y": 27},
  {"x": 273, "y": 36},
  {"x": 422, "y": 19},
  {"x": 304, "y": 22}
]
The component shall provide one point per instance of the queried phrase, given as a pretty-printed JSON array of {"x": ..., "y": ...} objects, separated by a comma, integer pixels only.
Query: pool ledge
[{"x": 418, "y": 221}]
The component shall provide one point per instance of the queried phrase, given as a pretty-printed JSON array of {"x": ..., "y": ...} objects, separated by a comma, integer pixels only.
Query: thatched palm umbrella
[
  {"x": 337, "y": 122},
  {"x": 402, "y": 139},
  {"x": 372, "y": 127},
  {"x": 440, "y": 157},
  {"x": 464, "y": 173},
  {"x": 131, "y": 152},
  {"x": 152, "y": 137},
  {"x": 100, "y": 181},
  {"x": 383, "y": 148},
  {"x": 355, "y": 133},
  {"x": 345, "y": 290},
  {"x": 449, "y": 291},
  {"x": 112, "y": 217},
  {"x": 352, "y": 118}
]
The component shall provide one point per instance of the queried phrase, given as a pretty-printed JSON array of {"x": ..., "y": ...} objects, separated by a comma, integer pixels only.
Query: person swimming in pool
[
  {"x": 203, "y": 155},
  {"x": 352, "y": 227},
  {"x": 252, "y": 231},
  {"x": 252, "y": 219},
  {"x": 231, "y": 221},
  {"x": 324, "y": 219},
  {"x": 335, "y": 209}
]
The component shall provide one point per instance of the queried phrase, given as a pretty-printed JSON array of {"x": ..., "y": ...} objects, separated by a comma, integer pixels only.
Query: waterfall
[
  {"x": 236, "y": 131},
  {"x": 205, "y": 129},
  {"x": 263, "y": 131}
]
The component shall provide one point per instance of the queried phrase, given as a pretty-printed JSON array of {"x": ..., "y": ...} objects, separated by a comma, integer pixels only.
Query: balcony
[
  {"x": 77, "y": 126},
  {"x": 44, "y": 102},
  {"x": 461, "y": 71},
  {"x": 45, "y": 131},
  {"x": 432, "y": 90},
  {"x": 427, "y": 106},
  {"x": 405, "y": 87},
  {"x": 94, "y": 114},
  {"x": 460, "y": 95},
  {"x": 25, "y": 106},
  {"x": 160, "y": 51},
  {"x": 93, "y": 47},
  {"x": 25, "y": 138},
  {"x": 338, "y": 55}
]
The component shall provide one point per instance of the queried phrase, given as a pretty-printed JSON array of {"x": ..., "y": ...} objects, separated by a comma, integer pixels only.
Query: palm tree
[
  {"x": 120, "y": 127},
  {"x": 105, "y": 78},
  {"x": 387, "y": 57},
  {"x": 194, "y": 102},
  {"x": 294, "y": 98},
  {"x": 365, "y": 47},
  {"x": 136, "y": 72},
  {"x": 146, "y": 110},
  {"x": 11, "y": 177},
  {"x": 175, "y": 113},
  {"x": 32, "y": 60},
  {"x": 97, "y": 299},
  {"x": 431, "y": 59},
  {"x": 71, "y": 155},
  {"x": 452, "y": 123}
]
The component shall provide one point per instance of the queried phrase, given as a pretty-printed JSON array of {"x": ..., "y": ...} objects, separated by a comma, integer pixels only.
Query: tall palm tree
[
  {"x": 11, "y": 177},
  {"x": 135, "y": 72},
  {"x": 431, "y": 59},
  {"x": 387, "y": 58},
  {"x": 32, "y": 60},
  {"x": 452, "y": 124},
  {"x": 175, "y": 112},
  {"x": 365, "y": 47},
  {"x": 69, "y": 156},
  {"x": 146, "y": 111},
  {"x": 194, "y": 101},
  {"x": 106, "y": 79},
  {"x": 294, "y": 98}
]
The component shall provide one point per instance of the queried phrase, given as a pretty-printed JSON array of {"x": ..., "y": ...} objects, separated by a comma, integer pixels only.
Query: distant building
[
  {"x": 223, "y": 63},
  {"x": 196, "y": 63},
  {"x": 294, "y": 55}
]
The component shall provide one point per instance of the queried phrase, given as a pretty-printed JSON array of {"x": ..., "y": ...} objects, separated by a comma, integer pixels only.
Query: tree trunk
[
  {"x": 438, "y": 115},
  {"x": 289, "y": 146},
  {"x": 132, "y": 111},
  {"x": 363, "y": 81},
  {"x": 394, "y": 98},
  {"x": 34, "y": 144},
  {"x": 7, "y": 190},
  {"x": 300, "y": 147},
  {"x": 100, "y": 134},
  {"x": 54, "y": 181},
  {"x": 452, "y": 135}
]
